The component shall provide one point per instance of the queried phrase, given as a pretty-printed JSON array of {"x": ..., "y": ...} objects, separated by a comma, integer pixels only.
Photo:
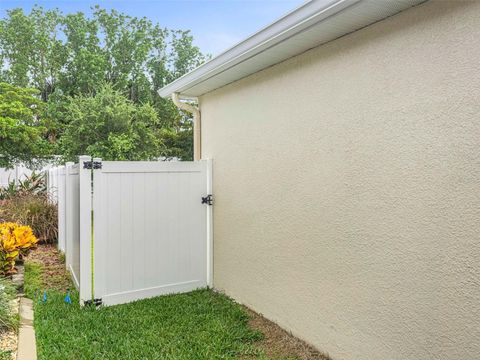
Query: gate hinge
[
  {"x": 95, "y": 302},
  {"x": 207, "y": 199},
  {"x": 92, "y": 165}
]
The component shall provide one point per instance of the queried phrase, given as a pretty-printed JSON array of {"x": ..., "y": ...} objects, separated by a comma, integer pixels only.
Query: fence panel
[
  {"x": 52, "y": 184},
  {"x": 151, "y": 234},
  {"x": 72, "y": 211},
  {"x": 19, "y": 172},
  {"x": 151, "y": 231},
  {"x": 49, "y": 173}
]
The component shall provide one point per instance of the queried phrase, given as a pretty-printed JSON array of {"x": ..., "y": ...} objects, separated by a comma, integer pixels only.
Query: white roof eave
[{"x": 313, "y": 23}]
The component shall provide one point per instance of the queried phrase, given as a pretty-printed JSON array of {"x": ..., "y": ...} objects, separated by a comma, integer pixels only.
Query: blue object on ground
[
  {"x": 68, "y": 300},
  {"x": 44, "y": 298}
]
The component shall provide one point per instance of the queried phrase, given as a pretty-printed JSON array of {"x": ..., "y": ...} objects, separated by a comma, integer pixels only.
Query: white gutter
[{"x": 197, "y": 148}]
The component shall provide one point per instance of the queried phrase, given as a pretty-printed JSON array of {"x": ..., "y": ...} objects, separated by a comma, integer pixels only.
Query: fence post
[
  {"x": 62, "y": 173},
  {"x": 68, "y": 215},
  {"x": 16, "y": 175},
  {"x": 85, "y": 179},
  {"x": 98, "y": 248},
  {"x": 46, "y": 174},
  {"x": 209, "y": 225},
  {"x": 50, "y": 184},
  {"x": 55, "y": 184}
]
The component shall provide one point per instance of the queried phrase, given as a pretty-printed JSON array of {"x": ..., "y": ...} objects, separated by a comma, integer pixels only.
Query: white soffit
[{"x": 312, "y": 24}]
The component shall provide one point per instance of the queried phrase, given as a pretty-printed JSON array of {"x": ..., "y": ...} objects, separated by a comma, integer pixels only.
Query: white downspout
[{"x": 197, "y": 141}]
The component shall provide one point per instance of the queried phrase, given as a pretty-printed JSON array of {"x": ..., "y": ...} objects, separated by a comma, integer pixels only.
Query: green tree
[
  {"x": 178, "y": 142},
  {"x": 86, "y": 65},
  {"x": 110, "y": 126},
  {"x": 31, "y": 52},
  {"x": 22, "y": 130},
  {"x": 65, "y": 56}
]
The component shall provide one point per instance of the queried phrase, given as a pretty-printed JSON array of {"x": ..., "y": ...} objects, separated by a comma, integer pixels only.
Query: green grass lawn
[{"x": 198, "y": 325}]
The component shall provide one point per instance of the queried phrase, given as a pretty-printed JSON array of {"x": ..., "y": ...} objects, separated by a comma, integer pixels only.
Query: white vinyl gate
[{"x": 137, "y": 229}]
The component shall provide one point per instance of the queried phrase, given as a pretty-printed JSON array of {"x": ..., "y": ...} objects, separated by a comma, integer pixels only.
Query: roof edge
[{"x": 280, "y": 30}]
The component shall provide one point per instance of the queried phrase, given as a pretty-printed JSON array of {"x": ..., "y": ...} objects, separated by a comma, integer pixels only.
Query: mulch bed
[{"x": 54, "y": 274}]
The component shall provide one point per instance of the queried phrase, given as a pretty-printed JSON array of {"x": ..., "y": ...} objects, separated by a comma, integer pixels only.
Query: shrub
[
  {"x": 34, "y": 210},
  {"x": 15, "y": 241},
  {"x": 28, "y": 203},
  {"x": 8, "y": 318},
  {"x": 33, "y": 184}
]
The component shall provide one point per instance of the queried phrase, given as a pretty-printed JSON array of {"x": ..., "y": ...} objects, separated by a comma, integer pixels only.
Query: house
[{"x": 345, "y": 140}]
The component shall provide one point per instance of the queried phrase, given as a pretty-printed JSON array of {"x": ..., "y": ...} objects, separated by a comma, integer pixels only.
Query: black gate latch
[
  {"x": 93, "y": 302},
  {"x": 207, "y": 200},
  {"x": 92, "y": 165}
]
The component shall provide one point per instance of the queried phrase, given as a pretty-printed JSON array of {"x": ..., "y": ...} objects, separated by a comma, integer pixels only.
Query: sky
[{"x": 215, "y": 24}]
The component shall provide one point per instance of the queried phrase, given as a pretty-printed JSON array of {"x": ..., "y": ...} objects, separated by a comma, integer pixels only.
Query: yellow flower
[
  {"x": 24, "y": 237},
  {"x": 8, "y": 243},
  {"x": 13, "y": 239}
]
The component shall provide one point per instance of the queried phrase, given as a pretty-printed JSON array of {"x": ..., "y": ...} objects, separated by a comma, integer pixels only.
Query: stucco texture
[{"x": 347, "y": 188}]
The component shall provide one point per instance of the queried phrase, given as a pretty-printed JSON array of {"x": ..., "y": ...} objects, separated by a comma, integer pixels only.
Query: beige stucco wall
[{"x": 347, "y": 188}]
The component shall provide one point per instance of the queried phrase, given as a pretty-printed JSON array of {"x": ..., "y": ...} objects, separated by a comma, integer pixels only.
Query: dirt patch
[
  {"x": 54, "y": 274},
  {"x": 280, "y": 344}
]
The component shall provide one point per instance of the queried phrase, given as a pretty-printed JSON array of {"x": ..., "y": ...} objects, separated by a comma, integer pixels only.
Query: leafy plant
[
  {"x": 35, "y": 210},
  {"x": 15, "y": 240},
  {"x": 110, "y": 126},
  {"x": 33, "y": 184},
  {"x": 8, "y": 191}
]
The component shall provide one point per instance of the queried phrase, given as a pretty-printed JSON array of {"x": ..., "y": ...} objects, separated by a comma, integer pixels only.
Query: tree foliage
[
  {"x": 74, "y": 55},
  {"x": 22, "y": 129},
  {"x": 110, "y": 126}
]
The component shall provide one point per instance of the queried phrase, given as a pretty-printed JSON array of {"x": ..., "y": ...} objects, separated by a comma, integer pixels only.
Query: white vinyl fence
[
  {"x": 53, "y": 182},
  {"x": 132, "y": 230},
  {"x": 19, "y": 172}
]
